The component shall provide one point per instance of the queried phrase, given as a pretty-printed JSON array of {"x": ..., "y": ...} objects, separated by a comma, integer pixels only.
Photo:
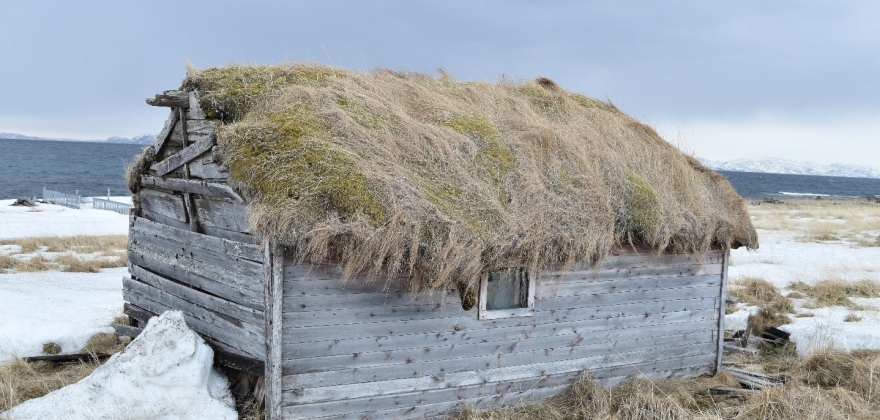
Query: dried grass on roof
[{"x": 435, "y": 179}]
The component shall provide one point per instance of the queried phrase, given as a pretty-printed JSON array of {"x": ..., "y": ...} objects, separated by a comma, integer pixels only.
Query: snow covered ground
[
  {"x": 165, "y": 373},
  {"x": 52, "y": 220},
  {"x": 64, "y": 308},
  {"x": 784, "y": 258}
]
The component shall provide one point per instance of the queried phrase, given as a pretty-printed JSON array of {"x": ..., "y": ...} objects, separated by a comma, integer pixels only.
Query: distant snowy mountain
[
  {"x": 142, "y": 139},
  {"x": 788, "y": 166}
]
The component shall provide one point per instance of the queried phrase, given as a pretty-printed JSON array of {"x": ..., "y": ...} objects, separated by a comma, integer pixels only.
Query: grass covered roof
[{"x": 435, "y": 179}]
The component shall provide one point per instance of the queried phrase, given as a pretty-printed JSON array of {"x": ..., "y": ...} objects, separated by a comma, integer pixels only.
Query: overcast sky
[{"x": 795, "y": 79}]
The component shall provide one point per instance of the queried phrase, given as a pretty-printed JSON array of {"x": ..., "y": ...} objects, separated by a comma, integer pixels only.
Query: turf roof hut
[{"x": 396, "y": 245}]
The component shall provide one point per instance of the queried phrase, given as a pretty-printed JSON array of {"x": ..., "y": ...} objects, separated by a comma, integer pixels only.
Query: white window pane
[{"x": 504, "y": 290}]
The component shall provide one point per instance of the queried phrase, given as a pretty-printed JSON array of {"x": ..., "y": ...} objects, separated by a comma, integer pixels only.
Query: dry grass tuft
[
  {"x": 837, "y": 292},
  {"x": 72, "y": 264},
  {"x": 436, "y": 180},
  {"x": 826, "y": 385},
  {"x": 767, "y": 318},
  {"x": 21, "y": 381},
  {"x": 106, "y": 343},
  {"x": 827, "y": 368},
  {"x": 51, "y": 348},
  {"x": 759, "y": 292},
  {"x": 81, "y": 254},
  {"x": 854, "y": 221},
  {"x": 852, "y": 318},
  {"x": 82, "y": 244}
]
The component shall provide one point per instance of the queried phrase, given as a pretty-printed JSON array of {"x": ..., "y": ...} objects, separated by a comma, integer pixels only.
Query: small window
[{"x": 506, "y": 293}]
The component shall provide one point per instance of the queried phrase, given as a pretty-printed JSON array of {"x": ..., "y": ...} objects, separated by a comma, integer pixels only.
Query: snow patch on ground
[
  {"x": 165, "y": 373},
  {"x": 50, "y": 306},
  {"x": 782, "y": 260},
  {"x": 53, "y": 220}
]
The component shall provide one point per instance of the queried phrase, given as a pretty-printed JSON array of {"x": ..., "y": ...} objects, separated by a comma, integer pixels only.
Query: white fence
[
  {"x": 100, "y": 203},
  {"x": 66, "y": 200}
]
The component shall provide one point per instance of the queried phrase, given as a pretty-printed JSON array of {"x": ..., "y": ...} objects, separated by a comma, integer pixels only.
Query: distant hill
[
  {"x": 142, "y": 139},
  {"x": 789, "y": 166}
]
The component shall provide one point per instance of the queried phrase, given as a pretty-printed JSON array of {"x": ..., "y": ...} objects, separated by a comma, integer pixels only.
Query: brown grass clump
[
  {"x": 855, "y": 221},
  {"x": 80, "y": 253},
  {"x": 837, "y": 292},
  {"x": 21, "y": 381},
  {"x": 106, "y": 343},
  {"x": 436, "y": 180},
  {"x": 51, "y": 348},
  {"x": 826, "y": 385},
  {"x": 852, "y": 318},
  {"x": 72, "y": 264},
  {"x": 768, "y": 318},
  {"x": 83, "y": 244},
  {"x": 33, "y": 264},
  {"x": 759, "y": 292}
]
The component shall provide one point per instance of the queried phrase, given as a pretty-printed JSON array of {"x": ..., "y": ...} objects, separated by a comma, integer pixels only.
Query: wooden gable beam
[
  {"x": 163, "y": 135},
  {"x": 183, "y": 157},
  {"x": 192, "y": 186},
  {"x": 170, "y": 98}
]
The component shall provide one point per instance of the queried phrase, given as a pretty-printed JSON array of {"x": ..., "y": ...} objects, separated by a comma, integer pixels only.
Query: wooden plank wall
[
  {"x": 190, "y": 246},
  {"x": 352, "y": 350}
]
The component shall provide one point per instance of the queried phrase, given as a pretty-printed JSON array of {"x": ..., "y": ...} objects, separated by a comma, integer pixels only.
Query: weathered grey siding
[
  {"x": 190, "y": 248},
  {"x": 352, "y": 350}
]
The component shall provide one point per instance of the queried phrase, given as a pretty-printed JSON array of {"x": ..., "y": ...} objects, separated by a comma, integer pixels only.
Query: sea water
[
  {"x": 756, "y": 186},
  {"x": 27, "y": 166}
]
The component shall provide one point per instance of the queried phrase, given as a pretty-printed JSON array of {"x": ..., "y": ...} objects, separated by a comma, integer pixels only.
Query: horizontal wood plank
[
  {"x": 238, "y": 336},
  {"x": 232, "y": 249},
  {"x": 625, "y": 285},
  {"x": 445, "y": 329},
  {"x": 414, "y": 363},
  {"x": 676, "y": 311},
  {"x": 163, "y": 204},
  {"x": 219, "y": 305},
  {"x": 158, "y": 218},
  {"x": 244, "y": 268},
  {"x": 214, "y": 280},
  {"x": 227, "y": 356},
  {"x": 534, "y": 390},
  {"x": 295, "y": 394},
  {"x": 222, "y": 214},
  {"x": 191, "y": 186}
]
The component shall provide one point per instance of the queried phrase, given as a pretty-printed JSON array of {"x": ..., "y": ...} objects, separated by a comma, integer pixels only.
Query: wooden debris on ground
[{"x": 756, "y": 380}]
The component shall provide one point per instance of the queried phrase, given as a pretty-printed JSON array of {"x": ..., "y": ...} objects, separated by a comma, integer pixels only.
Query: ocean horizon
[{"x": 91, "y": 168}]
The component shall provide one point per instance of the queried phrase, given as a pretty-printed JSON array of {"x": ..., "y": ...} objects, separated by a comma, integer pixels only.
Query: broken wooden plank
[
  {"x": 170, "y": 98},
  {"x": 163, "y": 204},
  {"x": 737, "y": 349},
  {"x": 223, "y": 214},
  {"x": 182, "y": 157},
  {"x": 211, "y": 189},
  {"x": 727, "y": 389},
  {"x": 127, "y": 330},
  {"x": 68, "y": 358},
  {"x": 756, "y": 380},
  {"x": 163, "y": 135}
]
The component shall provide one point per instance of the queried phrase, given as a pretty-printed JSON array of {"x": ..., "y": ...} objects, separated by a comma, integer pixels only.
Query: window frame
[{"x": 529, "y": 310}]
